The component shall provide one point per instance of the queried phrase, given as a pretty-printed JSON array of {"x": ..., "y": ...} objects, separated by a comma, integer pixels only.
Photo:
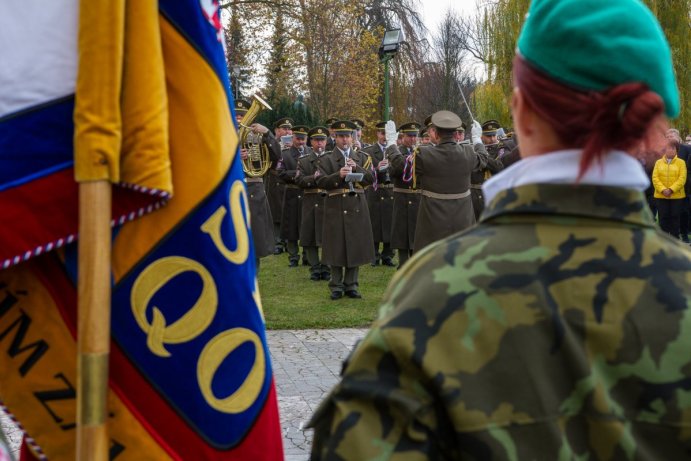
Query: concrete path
[{"x": 307, "y": 364}]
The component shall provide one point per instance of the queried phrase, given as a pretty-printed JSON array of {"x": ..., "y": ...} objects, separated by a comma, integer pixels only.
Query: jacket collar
[
  {"x": 617, "y": 169},
  {"x": 571, "y": 200}
]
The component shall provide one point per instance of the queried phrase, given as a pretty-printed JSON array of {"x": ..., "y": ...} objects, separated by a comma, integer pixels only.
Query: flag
[{"x": 190, "y": 373}]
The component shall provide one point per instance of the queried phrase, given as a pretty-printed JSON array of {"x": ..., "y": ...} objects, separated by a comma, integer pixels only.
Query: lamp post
[
  {"x": 235, "y": 72},
  {"x": 387, "y": 50}
]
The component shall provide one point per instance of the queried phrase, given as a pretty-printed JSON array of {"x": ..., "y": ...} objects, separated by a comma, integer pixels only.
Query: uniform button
[
  {"x": 316, "y": 204},
  {"x": 345, "y": 211},
  {"x": 382, "y": 198},
  {"x": 410, "y": 203},
  {"x": 344, "y": 195}
]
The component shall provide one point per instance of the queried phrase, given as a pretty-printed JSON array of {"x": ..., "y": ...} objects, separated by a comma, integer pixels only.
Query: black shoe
[
  {"x": 278, "y": 250},
  {"x": 336, "y": 295},
  {"x": 293, "y": 264},
  {"x": 353, "y": 294},
  {"x": 387, "y": 262},
  {"x": 374, "y": 263},
  {"x": 315, "y": 277},
  {"x": 305, "y": 263},
  {"x": 326, "y": 276}
]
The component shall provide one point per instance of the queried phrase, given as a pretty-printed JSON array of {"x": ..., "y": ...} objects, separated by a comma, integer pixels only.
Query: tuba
[{"x": 258, "y": 160}]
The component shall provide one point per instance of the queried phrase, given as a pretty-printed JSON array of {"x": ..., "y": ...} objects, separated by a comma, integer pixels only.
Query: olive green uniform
[
  {"x": 443, "y": 174},
  {"x": 406, "y": 201},
  {"x": 261, "y": 220},
  {"x": 558, "y": 328},
  {"x": 380, "y": 204},
  {"x": 347, "y": 232},
  {"x": 493, "y": 166},
  {"x": 312, "y": 215},
  {"x": 275, "y": 188},
  {"x": 292, "y": 201}
]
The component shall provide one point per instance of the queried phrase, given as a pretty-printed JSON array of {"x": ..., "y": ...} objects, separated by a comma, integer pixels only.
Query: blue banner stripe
[
  {"x": 36, "y": 142},
  {"x": 209, "y": 287}
]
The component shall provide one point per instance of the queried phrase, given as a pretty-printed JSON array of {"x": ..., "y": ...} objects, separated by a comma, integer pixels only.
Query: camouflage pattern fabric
[{"x": 559, "y": 328}]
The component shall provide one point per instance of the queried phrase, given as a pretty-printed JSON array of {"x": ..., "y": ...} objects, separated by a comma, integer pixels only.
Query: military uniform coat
[
  {"x": 347, "y": 238},
  {"x": 493, "y": 165},
  {"x": 557, "y": 328},
  {"x": 292, "y": 196},
  {"x": 380, "y": 201},
  {"x": 275, "y": 187},
  {"x": 444, "y": 169},
  {"x": 405, "y": 206},
  {"x": 312, "y": 201},
  {"x": 261, "y": 220}
]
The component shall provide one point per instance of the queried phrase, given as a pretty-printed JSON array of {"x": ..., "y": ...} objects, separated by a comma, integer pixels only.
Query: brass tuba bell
[{"x": 258, "y": 160}]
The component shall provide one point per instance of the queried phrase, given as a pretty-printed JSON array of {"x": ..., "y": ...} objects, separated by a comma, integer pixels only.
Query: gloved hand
[
  {"x": 476, "y": 132},
  {"x": 391, "y": 135}
]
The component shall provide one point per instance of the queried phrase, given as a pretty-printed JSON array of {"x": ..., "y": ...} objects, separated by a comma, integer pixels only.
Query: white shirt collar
[
  {"x": 617, "y": 169},
  {"x": 345, "y": 153}
]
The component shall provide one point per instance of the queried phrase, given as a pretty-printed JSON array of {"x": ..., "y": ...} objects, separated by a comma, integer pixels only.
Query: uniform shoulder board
[{"x": 303, "y": 155}]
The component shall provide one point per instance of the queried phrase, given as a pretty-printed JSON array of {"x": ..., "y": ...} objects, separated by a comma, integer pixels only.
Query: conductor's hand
[
  {"x": 257, "y": 128},
  {"x": 345, "y": 171},
  {"x": 476, "y": 132},
  {"x": 391, "y": 135},
  {"x": 243, "y": 153}
]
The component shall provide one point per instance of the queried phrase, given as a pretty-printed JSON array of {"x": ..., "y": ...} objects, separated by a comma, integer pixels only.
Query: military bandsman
[
  {"x": 313, "y": 201},
  {"x": 380, "y": 199},
  {"x": 274, "y": 186},
  {"x": 347, "y": 240},
  {"x": 260, "y": 212},
  {"x": 492, "y": 166},
  {"x": 292, "y": 197},
  {"x": 406, "y": 197},
  {"x": 442, "y": 172}
]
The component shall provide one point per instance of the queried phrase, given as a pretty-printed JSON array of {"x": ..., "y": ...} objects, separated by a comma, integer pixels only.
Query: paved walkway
[{"x": 306, "y": 364}]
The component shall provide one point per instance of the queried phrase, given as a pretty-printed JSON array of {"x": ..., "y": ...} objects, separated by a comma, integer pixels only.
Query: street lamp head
[{"x": 390, "y": 42}]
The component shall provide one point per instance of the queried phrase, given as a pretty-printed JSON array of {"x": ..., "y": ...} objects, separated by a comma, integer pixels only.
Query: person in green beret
[{"x": 559, "y": 327}]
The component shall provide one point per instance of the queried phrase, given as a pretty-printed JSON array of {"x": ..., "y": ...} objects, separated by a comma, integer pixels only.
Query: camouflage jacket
[{"x": 559, "y": 328}]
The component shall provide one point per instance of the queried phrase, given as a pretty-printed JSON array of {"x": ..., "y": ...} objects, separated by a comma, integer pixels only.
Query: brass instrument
[{"x": 258, "y": 159}]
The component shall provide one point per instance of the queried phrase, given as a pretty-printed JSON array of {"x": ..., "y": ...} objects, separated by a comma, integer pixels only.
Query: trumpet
[{"x": 258, "y": 160}]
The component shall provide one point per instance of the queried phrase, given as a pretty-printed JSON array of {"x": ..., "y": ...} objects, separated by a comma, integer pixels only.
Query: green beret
[{"x": 596, "y": 44}]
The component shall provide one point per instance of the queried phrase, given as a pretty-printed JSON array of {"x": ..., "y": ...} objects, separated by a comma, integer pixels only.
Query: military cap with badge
[
  {"x": 490, "y": 128},
  {"x": 410, "y": 128},
  {"x": 359, "y": 122},
  {"x": 300, "y": 131},
  {"x": 330, "y": 121},
  {"x": 241, "y": 106},
  {"x": 285, "y": 122},
  {"x": 318, "y": 132},
  {"x": 343, "y": 127}
]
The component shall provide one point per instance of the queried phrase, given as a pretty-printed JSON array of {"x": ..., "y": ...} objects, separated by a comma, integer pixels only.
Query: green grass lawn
[{"x": 292, "y": 301}]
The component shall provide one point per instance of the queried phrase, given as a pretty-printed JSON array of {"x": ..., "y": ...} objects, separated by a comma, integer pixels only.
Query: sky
[{"x": 433, "y": 10}]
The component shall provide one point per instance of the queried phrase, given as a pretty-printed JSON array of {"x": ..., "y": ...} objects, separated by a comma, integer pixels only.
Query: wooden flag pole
[{"x": 93, "y": 331}]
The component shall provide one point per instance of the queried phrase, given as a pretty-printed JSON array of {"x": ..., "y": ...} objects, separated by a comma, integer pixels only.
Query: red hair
[{"x": 620, "y": 117}]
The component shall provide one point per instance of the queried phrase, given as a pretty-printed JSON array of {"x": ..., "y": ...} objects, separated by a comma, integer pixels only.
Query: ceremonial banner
[{"x": 190, "y": 375}]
